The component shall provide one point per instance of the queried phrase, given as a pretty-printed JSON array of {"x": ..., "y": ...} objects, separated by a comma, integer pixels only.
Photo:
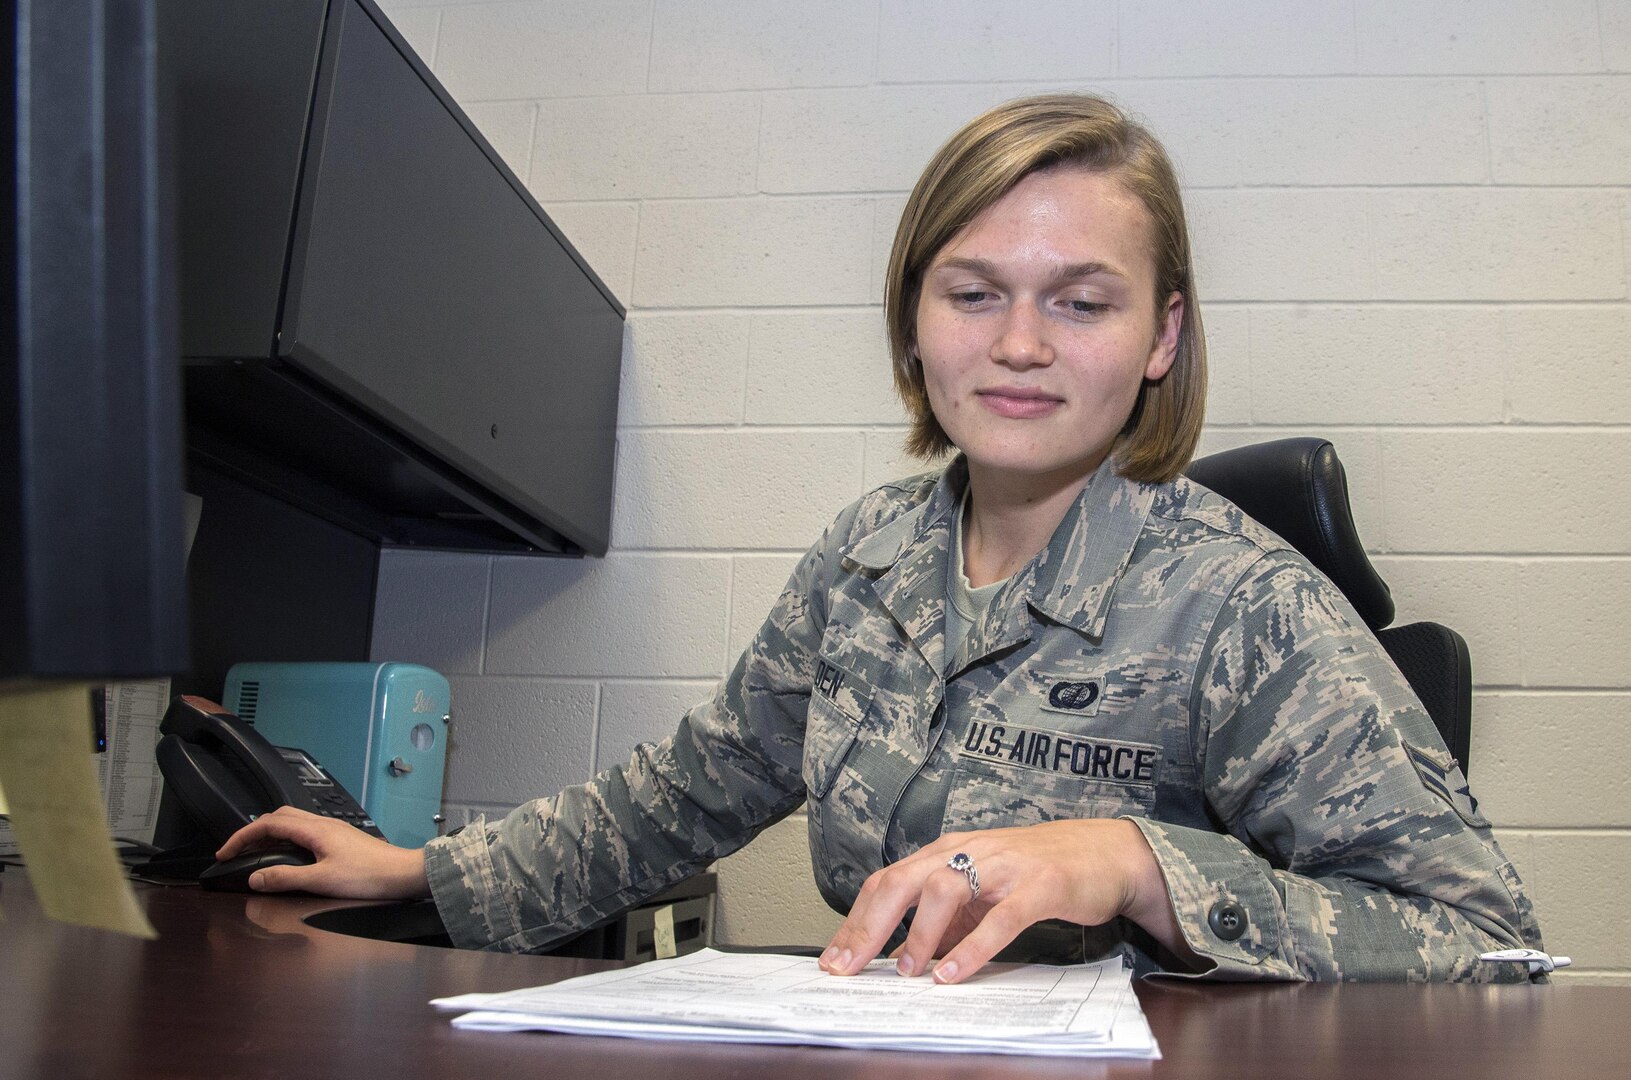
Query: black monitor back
[{"x": 91, "y": 560}]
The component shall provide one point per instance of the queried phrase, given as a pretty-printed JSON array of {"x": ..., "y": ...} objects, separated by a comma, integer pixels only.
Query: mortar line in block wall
[{"x": 594, "y": 733}]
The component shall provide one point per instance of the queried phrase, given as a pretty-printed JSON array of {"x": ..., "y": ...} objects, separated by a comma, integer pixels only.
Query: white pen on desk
[{"x": 1537, "y": 960}]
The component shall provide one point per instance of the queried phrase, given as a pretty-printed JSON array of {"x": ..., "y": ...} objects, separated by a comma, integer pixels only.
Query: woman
[{"x": 1055, "y": 699}]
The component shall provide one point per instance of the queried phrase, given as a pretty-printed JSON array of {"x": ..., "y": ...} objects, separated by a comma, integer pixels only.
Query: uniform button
[{"x": 1227, "y": 920}]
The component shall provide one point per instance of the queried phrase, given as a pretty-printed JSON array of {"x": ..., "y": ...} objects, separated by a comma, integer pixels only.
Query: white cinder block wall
[{"x": 1410, "y": 219}]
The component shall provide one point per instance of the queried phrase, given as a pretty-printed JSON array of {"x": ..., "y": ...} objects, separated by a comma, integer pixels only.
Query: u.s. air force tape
[{"x": 1060, "y": 752}]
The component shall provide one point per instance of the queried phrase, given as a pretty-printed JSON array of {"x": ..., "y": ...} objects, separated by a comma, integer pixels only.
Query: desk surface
[{"x": 239, "y": 986}]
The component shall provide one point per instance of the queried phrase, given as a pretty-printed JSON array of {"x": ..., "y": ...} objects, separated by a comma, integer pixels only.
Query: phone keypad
[{"x": 334, "y": 805}]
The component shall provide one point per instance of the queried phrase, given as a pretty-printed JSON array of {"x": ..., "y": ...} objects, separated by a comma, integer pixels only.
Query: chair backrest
[
  {"x": 1298, "y": 489},
  {"x": 1435, "y": 662}
]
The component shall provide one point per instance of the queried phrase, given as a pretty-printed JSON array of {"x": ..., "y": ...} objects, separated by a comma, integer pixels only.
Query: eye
[
  {"x": 970, "y": 297},
  {"x": 1085, "y": 309}
]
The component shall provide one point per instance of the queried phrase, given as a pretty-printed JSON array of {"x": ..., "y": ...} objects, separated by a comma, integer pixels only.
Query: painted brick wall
[{"x": 1411, "y": 224}]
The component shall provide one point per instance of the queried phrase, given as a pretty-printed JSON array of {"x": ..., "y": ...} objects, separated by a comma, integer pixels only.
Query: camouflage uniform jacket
[{"x": 1163, "y": 659}]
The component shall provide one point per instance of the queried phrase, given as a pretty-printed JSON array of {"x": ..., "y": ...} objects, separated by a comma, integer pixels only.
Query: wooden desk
[{"x": 238, "y": 986}]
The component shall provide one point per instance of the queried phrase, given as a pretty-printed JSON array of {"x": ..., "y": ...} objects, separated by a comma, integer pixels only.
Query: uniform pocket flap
[{"x": 838, "y": 705}]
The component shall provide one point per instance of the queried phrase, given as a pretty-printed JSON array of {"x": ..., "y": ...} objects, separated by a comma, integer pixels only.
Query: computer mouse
[{"x": 233, "y": 874}]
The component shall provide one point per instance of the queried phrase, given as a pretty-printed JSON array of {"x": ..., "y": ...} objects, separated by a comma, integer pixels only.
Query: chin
[
  {"x": 1028, "y": 461},
  {"x": 1020, "y": 464}
]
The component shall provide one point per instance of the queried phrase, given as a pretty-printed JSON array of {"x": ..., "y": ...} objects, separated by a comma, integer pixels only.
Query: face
[{"x": 1037, "y": 325}]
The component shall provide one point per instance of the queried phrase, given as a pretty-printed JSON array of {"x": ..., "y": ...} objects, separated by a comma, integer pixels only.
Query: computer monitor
[{"x": 91, "y": 511}]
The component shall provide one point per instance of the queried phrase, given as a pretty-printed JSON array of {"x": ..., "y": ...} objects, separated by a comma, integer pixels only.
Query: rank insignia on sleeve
[{"x": 1441, "y": 775}]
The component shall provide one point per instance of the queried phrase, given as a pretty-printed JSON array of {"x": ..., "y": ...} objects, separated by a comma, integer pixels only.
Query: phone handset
[{"x": 223, "y": 771}]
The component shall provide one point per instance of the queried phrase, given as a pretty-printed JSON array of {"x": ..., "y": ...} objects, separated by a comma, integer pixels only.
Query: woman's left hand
[{"x": 1086, "y": 872}]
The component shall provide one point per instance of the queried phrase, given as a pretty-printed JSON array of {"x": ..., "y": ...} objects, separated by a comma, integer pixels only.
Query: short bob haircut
[{"x": 977, "y": 167}]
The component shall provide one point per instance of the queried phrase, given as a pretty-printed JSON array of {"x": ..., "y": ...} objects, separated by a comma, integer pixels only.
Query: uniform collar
[
  {"x": 1076, "y": 574},
  {"x": 911, "y": 553},
  {"x": 882, "y": 548},
  {"x": 1071, "y": 581}
]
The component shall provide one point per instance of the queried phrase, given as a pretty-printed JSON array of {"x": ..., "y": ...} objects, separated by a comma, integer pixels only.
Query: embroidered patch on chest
[
  {"x": 1066, "y": 754},
  {"x": 1078, "y": 697}
]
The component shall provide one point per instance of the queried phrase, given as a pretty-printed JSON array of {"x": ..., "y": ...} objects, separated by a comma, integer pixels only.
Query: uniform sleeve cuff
[
  {"x": 463, "y": 885},
  {"x": 1224, "y": 899}
]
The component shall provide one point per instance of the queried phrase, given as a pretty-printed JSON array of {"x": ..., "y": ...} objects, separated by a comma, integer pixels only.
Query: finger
[
  {"x": 256, "y": 832},
  {"x": 284, "y": 823},
  {"x": 285, "y": 879},
  {"x": 945, "y": 895},
  {"x": 883, "y": 901},
  {"x": 1000, "y": 926}
]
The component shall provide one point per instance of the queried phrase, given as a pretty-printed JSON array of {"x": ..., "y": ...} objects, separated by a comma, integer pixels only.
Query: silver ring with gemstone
[{"x": 963, "y": 863}]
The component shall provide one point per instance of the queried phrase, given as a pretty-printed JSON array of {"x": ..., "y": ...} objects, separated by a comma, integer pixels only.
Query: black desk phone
[{"x": 225, "y": 774}]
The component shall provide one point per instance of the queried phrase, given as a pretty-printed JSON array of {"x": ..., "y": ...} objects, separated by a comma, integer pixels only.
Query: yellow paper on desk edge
[
  {"x": 56, "y": 812},
  {"x": 662, "y": 933}
]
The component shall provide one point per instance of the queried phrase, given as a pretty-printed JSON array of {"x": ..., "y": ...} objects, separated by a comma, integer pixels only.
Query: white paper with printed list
[
  {"x": 127, "y": 770},
  {"x": 1085, "y": 1010}
]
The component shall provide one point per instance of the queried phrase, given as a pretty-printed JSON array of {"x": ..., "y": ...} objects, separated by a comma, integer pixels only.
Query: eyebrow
[{"x": 987, "y": 268}]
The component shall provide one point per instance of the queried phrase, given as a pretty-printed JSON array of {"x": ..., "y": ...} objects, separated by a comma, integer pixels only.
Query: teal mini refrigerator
[{"x": 380, "y": 729}]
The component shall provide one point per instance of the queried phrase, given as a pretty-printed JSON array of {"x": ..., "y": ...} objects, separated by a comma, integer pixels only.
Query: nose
[{"x": 1023, "y": 340}]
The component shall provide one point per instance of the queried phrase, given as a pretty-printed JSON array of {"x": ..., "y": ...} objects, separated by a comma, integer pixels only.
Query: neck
[{"x": 1012, "y": 517}]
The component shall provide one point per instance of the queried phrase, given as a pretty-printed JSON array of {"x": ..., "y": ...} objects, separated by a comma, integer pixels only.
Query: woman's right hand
[{"x": 350, "y": 863}]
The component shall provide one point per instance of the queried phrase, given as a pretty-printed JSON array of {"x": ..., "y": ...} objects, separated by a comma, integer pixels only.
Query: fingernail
[
  {"x": 946, "y": 972},
  {"x": 843, "y": 960},
  {"x": 905, "y": 965},
  {"x": 829, "y": 956}
]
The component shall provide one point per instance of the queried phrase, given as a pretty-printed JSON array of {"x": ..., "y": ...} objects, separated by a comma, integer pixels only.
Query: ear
[{"x": 1165, "y": 349}]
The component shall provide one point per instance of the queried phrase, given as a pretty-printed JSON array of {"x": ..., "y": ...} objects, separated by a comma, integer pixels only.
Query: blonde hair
[{"x": 978, "y": 166}]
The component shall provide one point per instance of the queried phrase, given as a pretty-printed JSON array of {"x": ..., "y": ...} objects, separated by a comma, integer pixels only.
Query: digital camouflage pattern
[{"x": 1164, "y": 659}]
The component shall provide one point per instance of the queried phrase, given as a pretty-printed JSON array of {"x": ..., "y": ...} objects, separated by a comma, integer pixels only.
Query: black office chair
[{"x": 1297, "y": 488}]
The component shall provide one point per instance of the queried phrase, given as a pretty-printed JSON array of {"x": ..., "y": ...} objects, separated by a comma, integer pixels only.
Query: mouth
[{"x": 1019, "y": 402}]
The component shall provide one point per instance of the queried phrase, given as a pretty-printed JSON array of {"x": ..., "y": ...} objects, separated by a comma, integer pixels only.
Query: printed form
[
  {"x": 1082, "y": 1010},
  {"x": 129, "y": 769}
]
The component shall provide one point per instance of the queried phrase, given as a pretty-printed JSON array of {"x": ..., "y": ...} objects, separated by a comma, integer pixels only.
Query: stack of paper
[{"x": 1088, "y": 1010}]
